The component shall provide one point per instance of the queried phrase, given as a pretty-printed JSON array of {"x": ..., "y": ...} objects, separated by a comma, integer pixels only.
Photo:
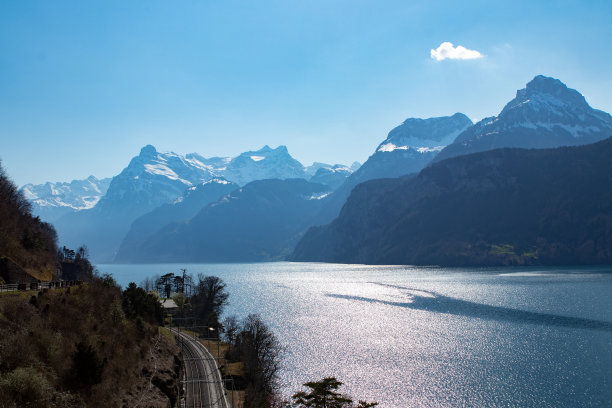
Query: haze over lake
[{"x": 429, "y": 337}]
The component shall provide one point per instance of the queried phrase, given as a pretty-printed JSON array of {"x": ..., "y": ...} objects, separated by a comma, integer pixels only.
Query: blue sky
[{"x": 85, "y": 84}]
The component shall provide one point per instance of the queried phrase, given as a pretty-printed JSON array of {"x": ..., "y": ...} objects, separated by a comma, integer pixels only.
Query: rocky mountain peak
[
  {"x": 431, "y": 132},
  {"x": 546, "y": 93},
  {"x": 544, "y": 114},
  {"x": 148, "y": 151}
]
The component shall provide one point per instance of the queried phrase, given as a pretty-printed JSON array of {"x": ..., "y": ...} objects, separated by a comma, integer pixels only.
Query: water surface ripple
[{"x": 431, "y": 337}]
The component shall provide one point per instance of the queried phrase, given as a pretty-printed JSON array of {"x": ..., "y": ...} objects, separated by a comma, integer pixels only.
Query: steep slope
[
  {"x": 258, "y": 222},
  {"x": 25, "y": 241},
  {"x": 407, "y": 149},
  {"x": 50, "y": 201},
  {"x": 502, "y": 207},
  {"x": 150, "y": 180},
  {"x": 545, "y": 114},
  {"x": 182, "y": 209}
]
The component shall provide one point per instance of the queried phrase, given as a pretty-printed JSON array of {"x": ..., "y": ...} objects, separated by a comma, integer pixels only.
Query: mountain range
[
  {"x": 407, "y": 149},
  {"x": 467, "y": 209},
  {"x": 415, "y": 143},
  {"x": 52, "y": 200},
  {"x": 261, "y": 221},
  {"x": 171, "y": 186},
  {"x": 500, "y": 207},
  {"x": 546, "y": 113},
  {"x": 167, "y": 207}
]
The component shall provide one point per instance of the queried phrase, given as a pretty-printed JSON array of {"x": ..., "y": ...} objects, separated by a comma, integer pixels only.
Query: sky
[{"x": 84, "y": 85}]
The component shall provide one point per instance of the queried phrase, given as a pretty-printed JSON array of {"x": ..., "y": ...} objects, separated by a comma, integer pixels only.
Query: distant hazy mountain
[
  {"x": 501, "y": 207},
  {"x": 182, "y": 209},
  {"x": 544, "y": 114},
  {"x": 258, "y": 222},
  {"x": 150, "y": 180},
  {"x": 332, "y": 176},
  {"x": 50, "y": 201},
  {"x": 407, "y": 149}
]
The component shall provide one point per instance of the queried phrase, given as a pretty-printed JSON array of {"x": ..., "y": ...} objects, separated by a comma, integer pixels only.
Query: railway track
[{"x": 202, "y": 380}]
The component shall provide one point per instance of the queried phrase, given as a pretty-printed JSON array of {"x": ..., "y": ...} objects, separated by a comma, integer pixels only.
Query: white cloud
[{"x": 448, "y": 50}]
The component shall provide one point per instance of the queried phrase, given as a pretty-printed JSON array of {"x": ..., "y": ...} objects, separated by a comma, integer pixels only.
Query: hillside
[
  {"x": 184, "y": 208},
  {"x": 502, "y": 207},
  {"x": 25, "y": 239},
  {"x": 89, "y": 346},
  {"x": 261, "y": 221}
]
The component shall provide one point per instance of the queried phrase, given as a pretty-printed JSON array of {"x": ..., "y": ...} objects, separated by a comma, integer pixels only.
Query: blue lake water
[{"x": 430, "y": 337}]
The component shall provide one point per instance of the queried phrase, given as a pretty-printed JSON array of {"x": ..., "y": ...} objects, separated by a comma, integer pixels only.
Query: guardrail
[{"x": 38, "y": 285}]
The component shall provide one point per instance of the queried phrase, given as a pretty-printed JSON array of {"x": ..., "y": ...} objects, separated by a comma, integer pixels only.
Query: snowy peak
[
  {"x": 153, "y": 164},
  {"x": 547, "y": 94},
  {"x": 431, "y": 133},
  {"x": 148, "y": 151},
  {"x": 547, "y": 104},
  {"x": 545, "y": 114},
  {"x": 265, "y": 163},
  {"x": 77, "y": 194},
  {"x": 153, "y": 178},
  {"x": 543, "y": 85}
]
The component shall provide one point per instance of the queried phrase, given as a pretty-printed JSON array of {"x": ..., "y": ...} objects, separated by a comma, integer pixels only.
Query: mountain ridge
[
  {"x": 544, "y": 114},
  {"x": 506, "y": 206}
]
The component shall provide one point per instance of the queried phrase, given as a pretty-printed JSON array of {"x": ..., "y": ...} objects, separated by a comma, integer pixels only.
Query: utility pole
[{"x": 184, "y": 272}]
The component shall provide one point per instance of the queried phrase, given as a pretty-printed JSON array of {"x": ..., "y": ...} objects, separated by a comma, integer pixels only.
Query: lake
[{"x": 430, "y": 337}]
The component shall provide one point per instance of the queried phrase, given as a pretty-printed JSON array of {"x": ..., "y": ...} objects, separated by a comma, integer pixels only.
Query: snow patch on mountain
[{"x": 545, "y": 114}]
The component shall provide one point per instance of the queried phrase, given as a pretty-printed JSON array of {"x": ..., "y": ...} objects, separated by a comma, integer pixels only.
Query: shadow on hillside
[{"x": 436, "y": 303}]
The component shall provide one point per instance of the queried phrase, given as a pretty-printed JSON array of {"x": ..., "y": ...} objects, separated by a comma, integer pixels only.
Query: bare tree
[
  {"x": 209, "y": 299},
  {"x": 261, "y": 353}
]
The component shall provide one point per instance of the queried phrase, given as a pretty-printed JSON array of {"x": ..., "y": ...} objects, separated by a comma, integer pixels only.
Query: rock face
[
  {"x": 502, "y": 207},
  {"x": 50, "y": 201},
  {"x": 261, "y": 221},
  {"x": 545, "y": 114},
  {"x": 407, "y": 149}
]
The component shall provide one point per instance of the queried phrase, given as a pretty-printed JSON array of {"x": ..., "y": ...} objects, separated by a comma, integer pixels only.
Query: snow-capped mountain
[
  {"x": 265, "y": 163},
  {"x": 332, "y": 176},
  {"x": 411, "y": 146},
  {"x": 52, "y": 200},
  {"x": 314, "y": 167},
  {"x": 155, "y": 178},
  {"x": 407, "y": 149},
  {"x": 545, "y": 114},
  {"x": 151, "y": 179}
]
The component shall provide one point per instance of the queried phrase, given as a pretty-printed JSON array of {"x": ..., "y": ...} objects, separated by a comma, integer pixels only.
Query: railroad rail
[{"x": 203, "y": 383}]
